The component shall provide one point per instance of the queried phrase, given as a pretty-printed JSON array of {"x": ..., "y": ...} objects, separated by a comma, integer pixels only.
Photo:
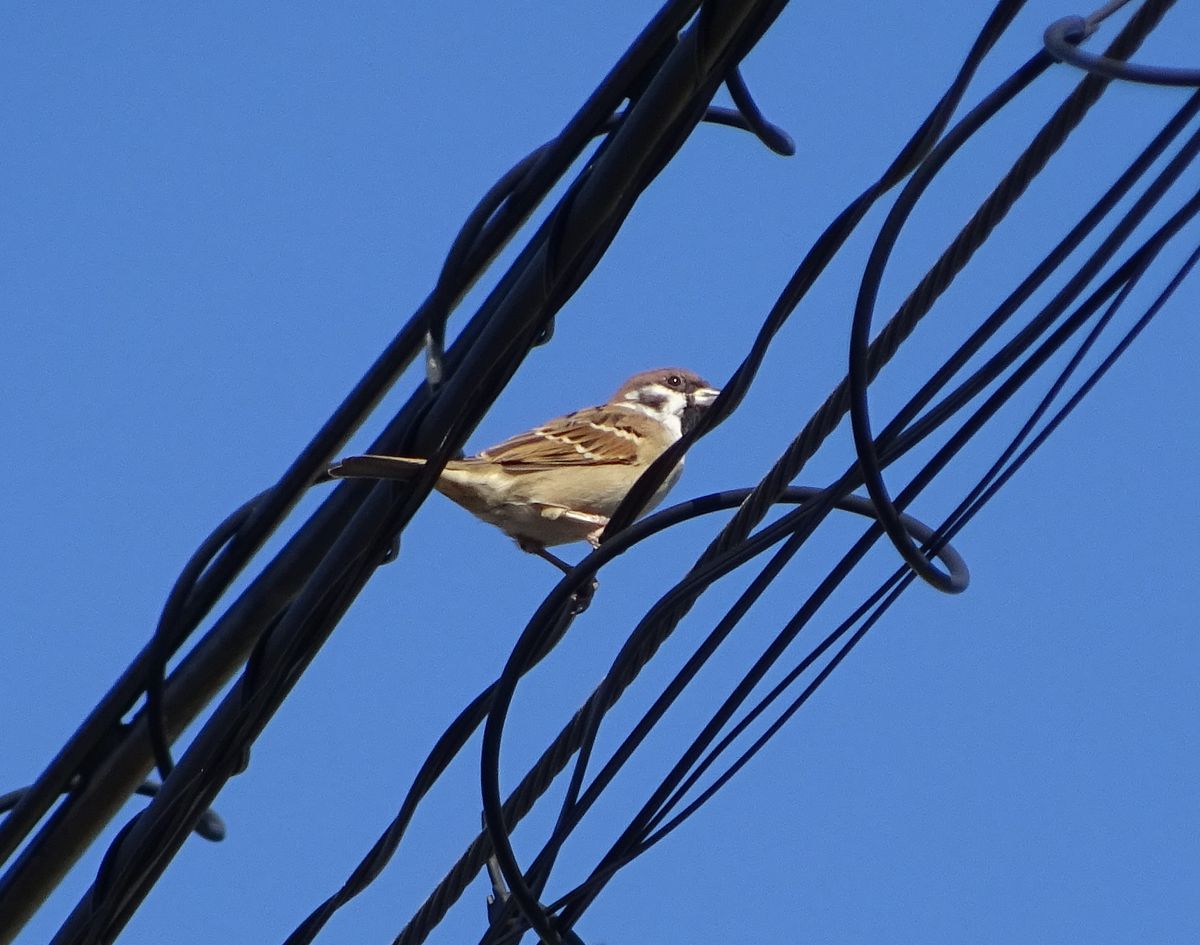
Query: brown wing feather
[{"x": 594, "y": 436}]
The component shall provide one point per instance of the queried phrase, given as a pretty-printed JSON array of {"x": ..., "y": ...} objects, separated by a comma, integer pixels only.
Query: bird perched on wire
[{"x": 560, "y": 482}]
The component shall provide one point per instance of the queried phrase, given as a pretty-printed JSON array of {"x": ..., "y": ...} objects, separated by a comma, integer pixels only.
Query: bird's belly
[{"x": 547, "y": 507}]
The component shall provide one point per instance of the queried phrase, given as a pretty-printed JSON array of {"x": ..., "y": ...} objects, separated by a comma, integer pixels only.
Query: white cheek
[{"x": 668, "y": 420}]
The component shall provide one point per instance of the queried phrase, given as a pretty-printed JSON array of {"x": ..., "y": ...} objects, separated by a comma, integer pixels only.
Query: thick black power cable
[
  {"x": 477, "y": 249},
  {"x": 476, "y": 376}
]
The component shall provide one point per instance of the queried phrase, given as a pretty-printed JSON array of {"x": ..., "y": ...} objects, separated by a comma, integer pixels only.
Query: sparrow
[{"x": 561, "y": 482}]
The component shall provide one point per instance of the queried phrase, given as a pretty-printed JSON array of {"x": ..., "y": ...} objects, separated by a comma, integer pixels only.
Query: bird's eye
[{"x": 674, "y": 380}]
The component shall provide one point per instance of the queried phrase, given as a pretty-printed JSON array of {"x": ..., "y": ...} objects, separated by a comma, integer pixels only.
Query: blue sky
[{"x": 214, "y": 218}]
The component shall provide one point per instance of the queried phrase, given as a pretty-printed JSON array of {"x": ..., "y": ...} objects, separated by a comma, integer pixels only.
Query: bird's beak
[{"x": 704, "y": 396}]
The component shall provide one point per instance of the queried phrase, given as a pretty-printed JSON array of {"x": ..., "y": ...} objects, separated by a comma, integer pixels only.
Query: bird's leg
[
  {"x": 583, "y": 596},
  {"x": 534, "y": 548}
]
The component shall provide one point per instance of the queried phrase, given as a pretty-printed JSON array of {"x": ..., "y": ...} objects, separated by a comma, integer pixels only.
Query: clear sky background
[{"x": 212, "y": 219}]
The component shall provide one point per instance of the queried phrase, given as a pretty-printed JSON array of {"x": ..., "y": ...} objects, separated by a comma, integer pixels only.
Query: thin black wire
[
  {"x": 747, "y": 109},
  {"x": 647, "y": 637},
  {"x": 814, "y": 263},
  {"x": 866, "y": 358},
  {"x": 631, "y": 843},
  {"x": 168, "y": 626},
  {"x": 1035, "y": 157}
]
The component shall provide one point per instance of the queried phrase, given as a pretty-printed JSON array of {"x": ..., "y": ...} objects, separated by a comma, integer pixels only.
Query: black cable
[
  {"x": 1062, "y": 39},
  {"x": 1035, "y": 160},
  {"x": 630, "y": 845},
  {"x": 864, "y": 365},
  {"x": 650, "y": 632},
  {"x": 209, "y": 827},
  {"x": 814, "y": 263},
  {"x": 468, "y": 385}
]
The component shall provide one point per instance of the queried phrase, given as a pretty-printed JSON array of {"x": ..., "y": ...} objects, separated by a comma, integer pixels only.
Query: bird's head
[{"x": 669, "y": 394}]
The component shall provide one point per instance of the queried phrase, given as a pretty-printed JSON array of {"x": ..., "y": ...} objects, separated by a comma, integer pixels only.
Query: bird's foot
[{"x": 582, "y": 598}]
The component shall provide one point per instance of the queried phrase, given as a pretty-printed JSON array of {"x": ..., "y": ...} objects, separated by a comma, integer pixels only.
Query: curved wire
[
  {"x": 769, "y": 134},
  {"x": 163, "y": 643},
  {"x": 1062, "y": 39},
  {"x": 863, "y": 368},
  {"x": 746, "y": 117},
  {"x": 823, "y": 250},
  {"x": 518, "y": 665},
  {"x": 210, "y": 826},
  {"x": 630, "y": 846}
]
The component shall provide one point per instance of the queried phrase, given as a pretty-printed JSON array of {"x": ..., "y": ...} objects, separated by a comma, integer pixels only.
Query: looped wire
[
  {"x": 769, "y": 134},
  {"x": 746, "y": 117},
  {"x": 1062, "y": 39}
]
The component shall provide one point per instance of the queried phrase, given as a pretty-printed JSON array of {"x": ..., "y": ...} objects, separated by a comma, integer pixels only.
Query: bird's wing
[{"x": 595, "y": 436}]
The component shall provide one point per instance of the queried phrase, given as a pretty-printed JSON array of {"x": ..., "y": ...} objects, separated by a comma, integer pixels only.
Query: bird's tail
[{"x": 369, "y": 466}]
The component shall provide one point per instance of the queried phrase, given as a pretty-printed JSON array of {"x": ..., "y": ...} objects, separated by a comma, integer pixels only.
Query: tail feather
[{"x": 370, "y": 466}]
